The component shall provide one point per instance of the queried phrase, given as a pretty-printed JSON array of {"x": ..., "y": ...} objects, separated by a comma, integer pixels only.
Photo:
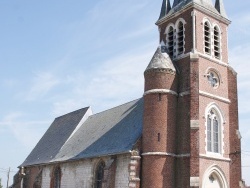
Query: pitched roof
[
  {"x": 219, "y": 5},
  {"x": 54, "y": 138},
  {"x": 165, "y": 8},
  {"x": 111, "y": 132}
]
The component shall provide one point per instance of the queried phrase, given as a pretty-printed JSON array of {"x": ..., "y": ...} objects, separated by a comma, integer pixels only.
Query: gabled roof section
[
  {"x": 165, "y": 8},
  {"x": 55, "y": 137},
  {"x": 161, "y": 60},
  {"x": 111, "y": 132},
  {"x": 219, "y": 5}
]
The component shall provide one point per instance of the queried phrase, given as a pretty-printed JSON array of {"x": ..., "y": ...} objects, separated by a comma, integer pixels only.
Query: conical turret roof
[
  {"x": 165, "y": 8},
  {"x": 219, "y": 5},
  {"x": 161, "y": 60}
]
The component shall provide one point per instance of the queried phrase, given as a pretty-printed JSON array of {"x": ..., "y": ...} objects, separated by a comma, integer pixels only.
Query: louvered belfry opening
[
  {"x": 170, "y": 40},
  {"x": 216, "y": 43},
  {"x": 207, "y": 38},
  {"x": 180, "y": 38}
]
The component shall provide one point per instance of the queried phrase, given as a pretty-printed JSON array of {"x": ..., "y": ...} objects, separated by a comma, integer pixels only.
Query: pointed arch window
[
  {"x": 180, "y": 38},
  {"x": 213, "y": 132},
  {"x": 170, "y": 41},
  {"x": 99, "y": 175},
  {"x": 207, "y": 38},
  {"x": 57, "y": 177},
  {"x": 217, "y": 49}
]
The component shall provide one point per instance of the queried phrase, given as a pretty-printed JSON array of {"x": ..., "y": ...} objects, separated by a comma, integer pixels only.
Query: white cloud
[
  {"x": 138, "y": 33},
  {"x": 246, "y": 166},
  {"x": 239, "y": 59},
  {"x": 113, "y": 82},
  {"x": 26, "y": 132},
  {"x": 42, "y": 83},
  {"x": 9, "y": 83}
]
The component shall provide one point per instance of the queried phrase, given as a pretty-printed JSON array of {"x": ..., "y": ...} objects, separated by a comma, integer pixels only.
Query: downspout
[{"x": 22, "y": 175}]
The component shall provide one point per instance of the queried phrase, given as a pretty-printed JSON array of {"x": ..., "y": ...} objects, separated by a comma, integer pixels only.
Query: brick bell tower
[{"x": 191, "y": 135}]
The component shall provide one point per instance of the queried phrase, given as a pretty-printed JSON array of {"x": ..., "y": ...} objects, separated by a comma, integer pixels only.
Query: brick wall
[{"x": 235, "y": 142}]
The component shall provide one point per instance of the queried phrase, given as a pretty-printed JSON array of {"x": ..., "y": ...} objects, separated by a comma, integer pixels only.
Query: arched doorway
[
  {"x": 214, "y": 178},
  {"x": 213, "y": 181}
]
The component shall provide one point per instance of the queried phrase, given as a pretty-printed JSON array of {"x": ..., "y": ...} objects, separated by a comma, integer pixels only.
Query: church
[{"x": 183, "y": 132}]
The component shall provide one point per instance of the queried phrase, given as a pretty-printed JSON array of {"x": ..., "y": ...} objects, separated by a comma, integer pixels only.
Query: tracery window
[
  {"x": 180, "y": 38},
  {"x": 217, "y": 49},
  {"x": 213, "y": 132},
  {"x": 99, "y": 175},
  {"x": 213, "y": 79},
  {"x": 170, "y": 41},
  {"x": 207, "y": 38}
]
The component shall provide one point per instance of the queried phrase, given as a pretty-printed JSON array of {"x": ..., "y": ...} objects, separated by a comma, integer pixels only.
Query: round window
[{"x": 213, "y": 79}]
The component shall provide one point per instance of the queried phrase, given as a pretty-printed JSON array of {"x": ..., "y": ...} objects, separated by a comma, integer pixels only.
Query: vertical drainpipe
[
  {"x": 22, "y": 175},
  {"x": 194, "y": 31},
  {"x": 21, "y": 183}
]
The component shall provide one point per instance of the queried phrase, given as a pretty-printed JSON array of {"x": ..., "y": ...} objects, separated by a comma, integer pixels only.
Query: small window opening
[
  {"x": 57, "y": 177},
  {"x": 99, "y": 175},
  {"x": 207, "y": 38},
  {"x": 170, "y": 40},
  {"x": 180, "y": 38},
  {"x": 216, "y": 43},
  {"x": 159, "y": 97},
  {"x": 159, "y": 137}
]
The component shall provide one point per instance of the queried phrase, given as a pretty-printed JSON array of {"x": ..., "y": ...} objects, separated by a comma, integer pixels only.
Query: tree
[{"x": 1, "y": 183}]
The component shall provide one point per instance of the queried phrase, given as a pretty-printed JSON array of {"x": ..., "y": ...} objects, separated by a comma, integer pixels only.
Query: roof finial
[
  {"x": 166, "y": 7},
  {"x": 219, "y": 5}
]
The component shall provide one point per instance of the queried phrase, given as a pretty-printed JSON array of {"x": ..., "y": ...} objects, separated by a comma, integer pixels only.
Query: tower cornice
[{"x": 195, "y": 6}]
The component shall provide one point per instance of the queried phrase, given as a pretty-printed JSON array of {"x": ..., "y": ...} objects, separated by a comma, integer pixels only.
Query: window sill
[{"x": 214, "y": 156}]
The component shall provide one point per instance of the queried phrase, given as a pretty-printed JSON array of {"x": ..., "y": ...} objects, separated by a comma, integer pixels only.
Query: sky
[{"x": 59, "y": 56}]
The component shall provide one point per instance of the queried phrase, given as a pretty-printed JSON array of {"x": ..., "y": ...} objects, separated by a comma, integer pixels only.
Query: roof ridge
[
  {"x": 84, "y": 108},
  {"x": 116, "y": 107}
]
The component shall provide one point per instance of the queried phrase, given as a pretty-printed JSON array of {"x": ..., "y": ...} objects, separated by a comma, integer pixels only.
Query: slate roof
[
  {"x": 54, "y": 138},
  {"x": 165, "y": 8},
  {"x": 219, "y": 5},
  {"x": 218, "y": 8},
  {"x": 111, "y": 132},
  {"x": 179, "y": 4}
]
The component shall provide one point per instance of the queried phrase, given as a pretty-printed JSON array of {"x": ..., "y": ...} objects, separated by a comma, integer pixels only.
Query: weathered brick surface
[
  {"x": 193, "y": 78},
  {"x": 159, "y": 129},
  {"x": 235, "y": 144},
  {"x": 161, "y": 174}
]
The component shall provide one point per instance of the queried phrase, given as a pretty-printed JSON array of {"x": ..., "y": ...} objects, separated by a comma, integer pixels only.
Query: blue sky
[{"x": 59, "y": 56}]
